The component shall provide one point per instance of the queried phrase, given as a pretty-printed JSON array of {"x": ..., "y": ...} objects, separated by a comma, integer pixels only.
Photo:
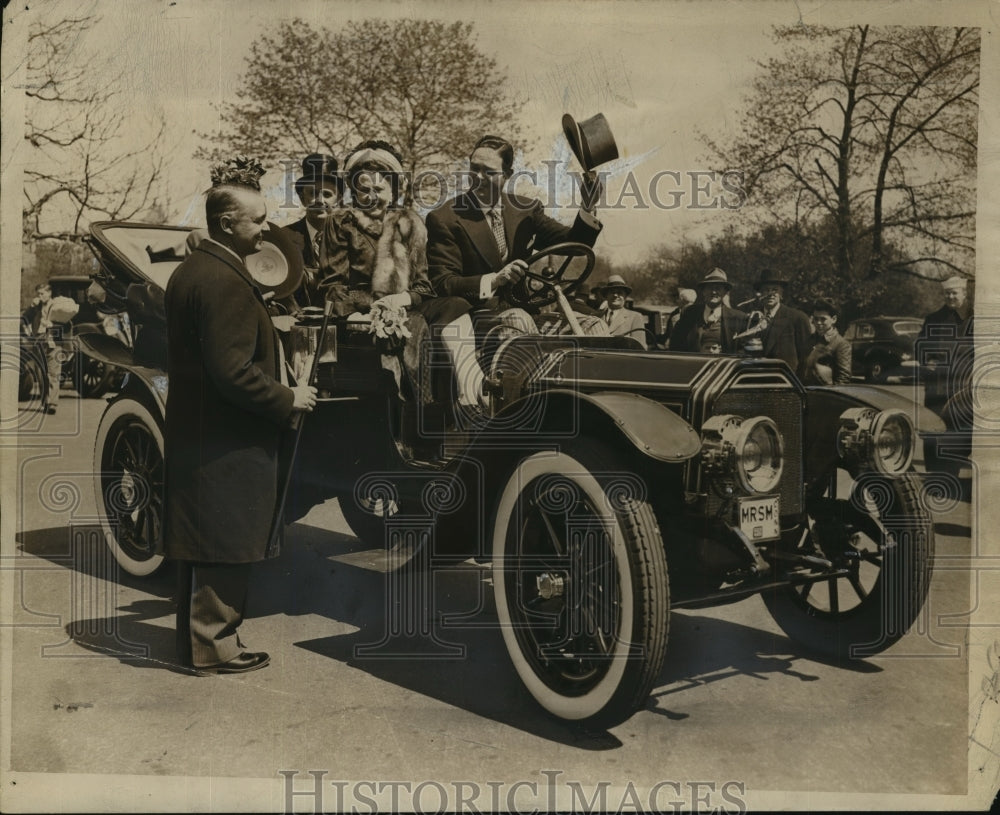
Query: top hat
[
  {"x": 615, "y": 281},
  {"x": 716, "y": 276},
  {"x": 591, "y": 140},
  {"x": 317, "y": 168},
  {"x": 767, "y": 277}
]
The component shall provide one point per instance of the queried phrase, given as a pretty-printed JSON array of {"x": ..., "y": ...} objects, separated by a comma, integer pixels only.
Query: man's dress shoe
[{"x": 237, "y": 665}]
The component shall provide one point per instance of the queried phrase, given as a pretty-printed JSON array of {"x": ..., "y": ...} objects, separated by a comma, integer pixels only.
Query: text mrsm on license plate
[{"x": 759, "y": 518}]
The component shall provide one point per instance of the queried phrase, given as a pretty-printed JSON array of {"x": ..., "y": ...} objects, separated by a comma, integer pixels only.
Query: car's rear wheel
[
  {"x": 91, "y": 377},
  {"x": 128, "y": 463},
  {"x": 366, "y": 517},
  {"x": 580, "y": 580},
  {"x": 882, "y": 540},
  {"x": 877, "y": 369}
]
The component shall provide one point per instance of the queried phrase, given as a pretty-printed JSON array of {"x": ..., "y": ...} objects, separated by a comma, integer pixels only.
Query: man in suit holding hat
[
  {"x": 939, "y": 337},
  {"x": 708, "y": 325},
  {"x": 787, "y": 332},
  {"x": 478, "y": 241},
  {"x": 622, "y": 322},
  {"x": 226, "y": 409},
  {"x": 320, "y": 190}
]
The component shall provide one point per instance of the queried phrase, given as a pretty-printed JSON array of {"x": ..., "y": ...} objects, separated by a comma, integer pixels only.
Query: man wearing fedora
[
  {"x": 622, "y": 322},
  {"x": 787, "y": 332},
  {"x": 478, "y": 241},
  {"x": 320, "y": 190},
  {"x": 709, "y": 325}
]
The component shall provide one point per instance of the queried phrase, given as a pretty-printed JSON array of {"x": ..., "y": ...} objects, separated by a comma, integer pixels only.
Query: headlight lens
[
  {"x": 759, "y": 456},
  {"x": 748, "y": 451},
  {"x": 879, "y": 440}
]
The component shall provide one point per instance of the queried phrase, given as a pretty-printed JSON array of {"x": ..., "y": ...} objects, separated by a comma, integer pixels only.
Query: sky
[{"x": 663, "y": 74}]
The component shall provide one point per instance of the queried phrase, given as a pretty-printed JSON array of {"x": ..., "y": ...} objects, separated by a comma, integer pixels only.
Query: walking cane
[{"x": 298, "y": 419}]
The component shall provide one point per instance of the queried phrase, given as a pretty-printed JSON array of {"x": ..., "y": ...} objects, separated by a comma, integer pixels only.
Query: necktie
[
  {"x": 496, "y": 224},
  {"x": 317, "y": 243}
]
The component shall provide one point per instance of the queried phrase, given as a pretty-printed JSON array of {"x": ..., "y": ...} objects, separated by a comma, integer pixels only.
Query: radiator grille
[{"x": 785, "y": 408}]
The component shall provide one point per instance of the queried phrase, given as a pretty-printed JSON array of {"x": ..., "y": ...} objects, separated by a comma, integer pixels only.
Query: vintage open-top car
[
  {"x": 606, "y": 485},
  {"x": 90, "y": 377}
]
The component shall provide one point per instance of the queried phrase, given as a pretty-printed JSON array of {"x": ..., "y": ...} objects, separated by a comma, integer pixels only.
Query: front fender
[
  {"x": 824, "y": 406},
  {"x": 650, "y": 428},
  {"x": 141, "y": 378},
  {"x": 546, "y": 420}
]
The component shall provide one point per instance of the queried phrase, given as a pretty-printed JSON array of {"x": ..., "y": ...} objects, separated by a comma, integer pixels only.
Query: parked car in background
[
  {"x": 657, "y": 318},
  {"x": 882, "y": 347},
  {"x": 90, "y": 377}
]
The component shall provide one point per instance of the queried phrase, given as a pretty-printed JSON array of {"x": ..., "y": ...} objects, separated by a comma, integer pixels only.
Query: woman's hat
[
  {"x": 591, "y": 140},
  {"x": 616, "y": 281},
  {"x": 716, "y": 276}
]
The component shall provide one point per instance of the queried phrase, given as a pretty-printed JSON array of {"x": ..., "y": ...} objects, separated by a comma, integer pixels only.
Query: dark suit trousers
[{"x": 211, "y": 602}]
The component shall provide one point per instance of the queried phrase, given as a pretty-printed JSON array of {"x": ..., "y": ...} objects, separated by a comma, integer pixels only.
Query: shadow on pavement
[
  {"x": 431, "y": 631},
  {"x": 83, "y": 549},
  {"x": 703, "y": 650}
]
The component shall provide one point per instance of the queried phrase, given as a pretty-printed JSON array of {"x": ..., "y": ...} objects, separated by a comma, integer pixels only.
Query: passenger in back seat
[{"x": 375, "y": 254}]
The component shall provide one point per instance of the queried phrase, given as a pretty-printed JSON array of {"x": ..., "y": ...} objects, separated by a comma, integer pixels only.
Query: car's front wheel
[
  {"x": 128, "y": 465},
  {"x": 580, "y": 580},
  {"x": 880, "y": 540}
]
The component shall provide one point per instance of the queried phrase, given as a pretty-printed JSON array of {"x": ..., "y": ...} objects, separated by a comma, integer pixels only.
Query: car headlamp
[
  {"x": 880, "y": 440},
  {"x": 749, "y": 452}
]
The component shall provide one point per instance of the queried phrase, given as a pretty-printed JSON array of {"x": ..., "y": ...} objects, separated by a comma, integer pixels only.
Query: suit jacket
[
  {"x": 684, "y": 335},
  {"x": 461, "y": 247},
  {"x": 828, "y": 363},
  {"x": 307, "y": 294},
  {"x": 788, "y": 336},
  {"x": 226, "y": 410},
  {"x": 624, "y": 322}
]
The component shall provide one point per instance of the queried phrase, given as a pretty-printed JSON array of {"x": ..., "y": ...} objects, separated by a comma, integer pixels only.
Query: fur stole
[{"x": 401, "y": 248}]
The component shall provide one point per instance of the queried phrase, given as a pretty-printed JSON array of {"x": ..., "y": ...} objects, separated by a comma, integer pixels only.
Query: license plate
[{"x": 760, "y": 518}]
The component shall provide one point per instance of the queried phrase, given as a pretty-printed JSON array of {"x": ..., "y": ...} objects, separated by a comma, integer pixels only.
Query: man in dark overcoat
[
  {"x": 708, "y": 325},
  {"x": 226, "y": 410},
  {"x": 478, "y": 241},
  {"x": 941, "y": 335},
  {"x": 788, "y": 334}
]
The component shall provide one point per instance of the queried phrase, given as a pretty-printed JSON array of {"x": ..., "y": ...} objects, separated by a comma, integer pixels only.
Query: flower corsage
[{"x": 388, "y": 324}]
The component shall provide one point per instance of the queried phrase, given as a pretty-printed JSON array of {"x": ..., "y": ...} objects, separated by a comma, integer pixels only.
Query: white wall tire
[
  {"x": 128, "y": 472},
  {"x": 591, "y": 654}
]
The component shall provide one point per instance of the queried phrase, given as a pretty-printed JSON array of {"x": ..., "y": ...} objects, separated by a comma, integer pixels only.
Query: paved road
[{"x": 738, "y": 706}]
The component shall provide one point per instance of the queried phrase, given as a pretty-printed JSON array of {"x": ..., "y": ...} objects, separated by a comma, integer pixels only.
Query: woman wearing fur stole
[{"x": 374, "y": 253}]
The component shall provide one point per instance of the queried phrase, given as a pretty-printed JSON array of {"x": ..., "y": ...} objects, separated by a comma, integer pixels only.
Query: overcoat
[
  {"x": 226, "y": 411},
  {"x": 461, "y": 247},
  {"x": 684, "y": 334},
  {"x": 788, "y": 336},
  {"x": 939, "y": 337}
]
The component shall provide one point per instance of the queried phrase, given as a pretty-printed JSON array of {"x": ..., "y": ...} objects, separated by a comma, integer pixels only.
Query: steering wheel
[{"x": 526, "y": 296}]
